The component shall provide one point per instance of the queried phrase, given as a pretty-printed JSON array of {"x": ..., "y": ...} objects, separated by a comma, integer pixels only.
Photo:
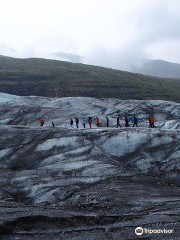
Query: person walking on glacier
[
  {"x": 118, "y": 121},
  {"x": 149, "y": 119},
  {"x": 136, "y": 120},
  {"x": 41, "y": 122},
  {"x": 152, "y": 119},
  {"x": 71, "y": 123},
  {"x": 77, "y": 122},
  {"x": 97, "y": 121},
  {"x": 107, "y": 122},
  {"x": 53, "y": 125},
  {"x": 90, "y": 121},
  {"x": 127, "y": 120},
  {"x": 84, "y": 123}
]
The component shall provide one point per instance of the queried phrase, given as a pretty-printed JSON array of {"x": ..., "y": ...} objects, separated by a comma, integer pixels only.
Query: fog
[{"x": 112, "y": 33}]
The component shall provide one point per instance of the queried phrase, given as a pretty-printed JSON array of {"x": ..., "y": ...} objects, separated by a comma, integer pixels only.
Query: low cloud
[{"x": 118, "y": 35}]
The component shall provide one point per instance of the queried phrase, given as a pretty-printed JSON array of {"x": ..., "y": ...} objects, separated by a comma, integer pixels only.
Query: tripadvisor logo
[{"x": 139, "y": 231}]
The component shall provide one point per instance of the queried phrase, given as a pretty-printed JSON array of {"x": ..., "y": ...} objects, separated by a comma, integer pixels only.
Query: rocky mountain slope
[
  {"x": 7, "y": 51},
  {"x": 64, "y": 183},
  {"x": 159, "y": 68}
]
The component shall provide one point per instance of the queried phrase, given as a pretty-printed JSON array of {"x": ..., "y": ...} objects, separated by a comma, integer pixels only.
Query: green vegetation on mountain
[{"x": 52, "y": 78}]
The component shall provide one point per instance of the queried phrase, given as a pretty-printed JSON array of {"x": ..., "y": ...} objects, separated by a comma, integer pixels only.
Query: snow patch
[
  {"x": 5, "y": 152},
  {"x": 59, "y": 142},
  {"x": 124, "y": 143}
]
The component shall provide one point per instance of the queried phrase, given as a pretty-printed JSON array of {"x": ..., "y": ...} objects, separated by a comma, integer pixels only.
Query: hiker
[
  {"x": 97, "y": 121},
  {"x": 107, "y": 121},
  {"x": 53, "y": 125},
  {"x": 84, "y": 123},
  {"x": 136, "y": 120},
  {"x": 41, "y": 122},
  {"x": 118, "y": 122},
  {"x": 71, "y": 123},
  {"x": 77, "y": 122},
  {"x": 90, "y": 121},
  {"x": 152, "y": 119},
  {"x": 149, "y": 118},
  {"x": 127, "y": 120}
]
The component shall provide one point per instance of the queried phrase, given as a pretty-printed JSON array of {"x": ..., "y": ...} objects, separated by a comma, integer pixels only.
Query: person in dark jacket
[
  {"x": 118, "y": 121},
  {"x": 77, "y": 122},
  {"x": 90, "y": 121},
  {"x": 53, "y": 125},
  {"x": 107, "y": 121},
  {"x": 149, "y": 119},
  {"x": 136, "y": 120},
  {"x": 71, "y": 123},
  {"x": 127, "y": 120}
]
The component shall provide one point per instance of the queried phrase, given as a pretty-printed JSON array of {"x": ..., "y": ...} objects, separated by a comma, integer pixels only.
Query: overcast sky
[{"x": 113, "y": 33}]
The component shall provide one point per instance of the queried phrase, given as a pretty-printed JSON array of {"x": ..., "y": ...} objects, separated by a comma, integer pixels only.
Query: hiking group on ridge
[{"x": 151, "y": 120}]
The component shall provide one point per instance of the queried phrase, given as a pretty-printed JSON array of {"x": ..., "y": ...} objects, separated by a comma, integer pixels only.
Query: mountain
[
  {"x": 159, "y": 68},
  {"x": 52, "y": 78},
  {"x": 7, "y": 51},
  {"x": 62, "y": 183},
  {"x": 70, "y": 57}
]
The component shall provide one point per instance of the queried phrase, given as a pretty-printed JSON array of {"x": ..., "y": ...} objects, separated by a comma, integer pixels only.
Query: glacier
[{"x": 68, "y": 183}]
